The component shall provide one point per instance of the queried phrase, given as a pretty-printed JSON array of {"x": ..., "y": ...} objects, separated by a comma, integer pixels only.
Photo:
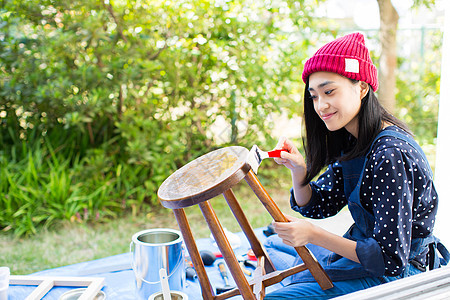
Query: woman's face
[{"x": 337, "y": 100}]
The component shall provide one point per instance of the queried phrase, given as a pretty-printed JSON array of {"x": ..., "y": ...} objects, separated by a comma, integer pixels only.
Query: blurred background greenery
[{"x": 100, "y": 101}]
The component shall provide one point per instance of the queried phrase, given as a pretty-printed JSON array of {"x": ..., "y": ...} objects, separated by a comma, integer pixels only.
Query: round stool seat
[{"x": 205, "y": 177}]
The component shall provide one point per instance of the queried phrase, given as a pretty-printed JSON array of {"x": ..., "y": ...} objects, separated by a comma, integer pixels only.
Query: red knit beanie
[{"x": 347, "y": 56}]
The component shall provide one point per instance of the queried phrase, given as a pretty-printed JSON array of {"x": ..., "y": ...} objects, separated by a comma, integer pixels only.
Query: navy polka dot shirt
[{"x": 397, "y": 188}]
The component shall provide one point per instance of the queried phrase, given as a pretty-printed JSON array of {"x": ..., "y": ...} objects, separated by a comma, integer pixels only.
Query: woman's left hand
[
  {"x": 299, "y": 232},
  {"x": 296, "y": 232}
]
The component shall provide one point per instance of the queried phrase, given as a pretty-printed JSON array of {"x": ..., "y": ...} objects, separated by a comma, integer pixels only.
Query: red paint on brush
[{"x": 275, "y": 153}]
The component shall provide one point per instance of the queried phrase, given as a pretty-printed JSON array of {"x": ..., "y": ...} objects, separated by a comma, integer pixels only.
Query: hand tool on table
[
  {"x": 223, "y": 273},
  {"x": 208, "y": 257},
  {"x": 246, "y": 272},
  {"x": 246, "y": 263},
  {"x": 251, "y": 255},
  {"x": 256, "y": 155},
  {"x": 190, "y": 271}
]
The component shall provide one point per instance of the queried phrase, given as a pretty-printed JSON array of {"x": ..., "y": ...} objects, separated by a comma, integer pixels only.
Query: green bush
[{"x": 101, "y": 101}]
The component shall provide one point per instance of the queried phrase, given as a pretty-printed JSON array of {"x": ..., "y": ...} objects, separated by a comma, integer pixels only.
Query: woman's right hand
[{"x": 291, "y": 157}]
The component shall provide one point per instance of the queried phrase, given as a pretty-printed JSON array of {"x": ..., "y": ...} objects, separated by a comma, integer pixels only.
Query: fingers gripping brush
[{"x": 256, "y": 155}]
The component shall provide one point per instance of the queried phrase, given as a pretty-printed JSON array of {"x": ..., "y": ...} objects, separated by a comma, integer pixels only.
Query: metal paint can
[{"x": 152, "y": 250}]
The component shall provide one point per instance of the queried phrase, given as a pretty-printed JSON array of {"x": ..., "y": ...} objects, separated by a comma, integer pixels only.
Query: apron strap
[
  {"x": 404, "y": 137},
  {"x": 434, "y": 261}
]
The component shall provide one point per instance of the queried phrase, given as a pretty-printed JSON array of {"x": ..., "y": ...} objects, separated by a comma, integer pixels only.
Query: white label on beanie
[{"x": 351, "y": 65}]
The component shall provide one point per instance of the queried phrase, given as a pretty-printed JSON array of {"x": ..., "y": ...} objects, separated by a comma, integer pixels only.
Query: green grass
[{"x": 75, "y": 242}]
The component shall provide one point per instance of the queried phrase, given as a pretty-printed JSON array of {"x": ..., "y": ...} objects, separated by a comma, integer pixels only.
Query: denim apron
[{"x": 340, "y": 268}]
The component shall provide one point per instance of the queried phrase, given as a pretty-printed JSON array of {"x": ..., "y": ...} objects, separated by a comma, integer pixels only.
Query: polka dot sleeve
[
  {"x": 391, "y": 194},
  {"x": 328, "y": 196}
]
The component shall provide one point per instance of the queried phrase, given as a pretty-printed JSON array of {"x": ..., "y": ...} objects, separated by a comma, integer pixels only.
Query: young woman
[{"x": 374, "y": 166}]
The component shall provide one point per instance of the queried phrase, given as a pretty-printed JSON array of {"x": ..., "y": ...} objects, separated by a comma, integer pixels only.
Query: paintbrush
[{"x": 256, "y": 155}]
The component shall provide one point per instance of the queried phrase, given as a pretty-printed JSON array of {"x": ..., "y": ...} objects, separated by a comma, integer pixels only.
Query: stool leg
[
  {"x": 247, "y": 229},
  {"x": 227, "y": 252},
  {"x": 310, "y": 261},
  {"x": 207, "y": 290}
]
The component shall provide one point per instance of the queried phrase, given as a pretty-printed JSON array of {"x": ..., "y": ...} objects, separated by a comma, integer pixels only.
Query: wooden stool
[{"x": 213, "y": 174}]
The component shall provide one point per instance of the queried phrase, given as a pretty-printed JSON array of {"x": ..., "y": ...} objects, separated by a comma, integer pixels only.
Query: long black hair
[{"x": 323, "y": 146}]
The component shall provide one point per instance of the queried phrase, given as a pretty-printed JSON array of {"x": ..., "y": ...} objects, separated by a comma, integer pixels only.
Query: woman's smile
[{"x": 327, "y": 116}]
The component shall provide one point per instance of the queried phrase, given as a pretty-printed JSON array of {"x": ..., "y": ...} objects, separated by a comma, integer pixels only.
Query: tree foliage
[
  {"x": 109, "y": 88},
  {"x": 418, "y": 84},
  {"x": 100, "y": 101}
]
